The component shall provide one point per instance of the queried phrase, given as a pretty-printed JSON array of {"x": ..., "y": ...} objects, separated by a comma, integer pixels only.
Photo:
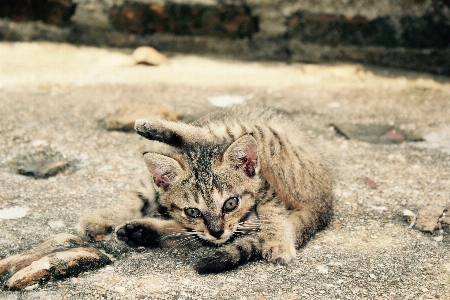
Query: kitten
[{"x": 245, "y": 178}]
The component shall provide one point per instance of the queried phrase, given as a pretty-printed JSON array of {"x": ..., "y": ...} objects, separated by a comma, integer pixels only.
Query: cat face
[{"x": 209, "y": 189}]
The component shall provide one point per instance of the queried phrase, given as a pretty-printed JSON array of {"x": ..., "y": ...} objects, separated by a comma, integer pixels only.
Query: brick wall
[{"x": 413, "y": 34}]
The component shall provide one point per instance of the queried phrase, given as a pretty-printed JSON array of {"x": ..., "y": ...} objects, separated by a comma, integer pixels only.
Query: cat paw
[
  {"x": 136, "y": 235},
  {"x": 94, "y": 229},
  {"x": 279, "y": 253}
]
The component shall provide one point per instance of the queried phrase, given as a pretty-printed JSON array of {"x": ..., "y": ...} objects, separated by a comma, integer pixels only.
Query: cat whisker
[
  {"x": 182, "y": 241},
  {"x": 186, "y": 240},
  {"x": 179, "y": 234},
  {"x": 248, "y": 229},
  {"x": 250, "y": 224},
  {"x": 255, "y": 221}
]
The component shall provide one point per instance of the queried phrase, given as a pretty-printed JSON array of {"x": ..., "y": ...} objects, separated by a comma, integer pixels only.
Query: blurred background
[{"x": 409, "y": 34}]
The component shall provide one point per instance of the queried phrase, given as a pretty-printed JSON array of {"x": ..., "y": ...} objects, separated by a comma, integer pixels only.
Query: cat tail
[
  {"x": 176, "y": 134},
  {"x": 232, "y": 256}
]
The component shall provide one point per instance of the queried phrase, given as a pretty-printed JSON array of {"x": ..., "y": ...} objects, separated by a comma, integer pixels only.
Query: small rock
[
  {"x": 375, "y": 134},
  {"x": 322, "y": 269},
  {"x": 226, "y": 100},
  {"x": 410, "y": 217},
  {"x": 40, "y": 162},
  {"x": 14, "y": 212},
  {"x": 124, "y": 118},
  {"x": 149, "y": 56},
  {"x": 439, "y": 238},
  {"x": 51, "y": 168},
  {"x": 395, "y": 135},
  {"x": 370, "y": 183},
  {"x": 56, "y": 224},
  {"x": 32, "y": 287},
  {"x": 60, "y": 256},
  {"x": 380, "y": 208},
  {"x": 428, "y": 218}
]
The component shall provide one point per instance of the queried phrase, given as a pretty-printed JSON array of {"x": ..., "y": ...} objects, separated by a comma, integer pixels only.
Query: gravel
[{"x": 56, "y": 95}]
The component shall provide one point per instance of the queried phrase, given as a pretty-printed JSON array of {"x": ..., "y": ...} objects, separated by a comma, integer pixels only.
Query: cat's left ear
[
  {"x": 165, "y": 170},
  {"x": 242, "y": 155}
]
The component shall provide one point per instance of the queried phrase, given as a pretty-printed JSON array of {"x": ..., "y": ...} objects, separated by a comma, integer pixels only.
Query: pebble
[
  {"x": 428, "y": 217},
  {"x": 321, "y": 269},
  {"x": 14, "y": 212},
  {"x": 226, "y": 100},
  {"x": 149, "y": 55},
  {"x": 60, "y": 256}
]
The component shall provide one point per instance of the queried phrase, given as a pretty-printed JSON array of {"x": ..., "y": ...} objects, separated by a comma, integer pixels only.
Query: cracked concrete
[{"x": 56, "y": 94}]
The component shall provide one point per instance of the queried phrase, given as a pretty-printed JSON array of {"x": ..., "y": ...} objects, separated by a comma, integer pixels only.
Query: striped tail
[{"x": 232, "y": 256}]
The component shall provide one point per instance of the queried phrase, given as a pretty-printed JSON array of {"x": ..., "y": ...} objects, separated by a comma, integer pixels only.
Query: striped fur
[{"x": 245, "y": 178}]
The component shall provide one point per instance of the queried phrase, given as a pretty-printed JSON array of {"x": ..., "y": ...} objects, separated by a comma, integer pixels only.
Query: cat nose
[{"x": 216, "y": 231}]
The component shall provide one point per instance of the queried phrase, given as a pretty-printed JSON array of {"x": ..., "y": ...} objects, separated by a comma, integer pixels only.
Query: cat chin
[{"x": 216, "y": 242}]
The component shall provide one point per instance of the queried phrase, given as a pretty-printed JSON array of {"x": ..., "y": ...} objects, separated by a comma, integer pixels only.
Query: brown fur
[{"x": 245, "y": 178}]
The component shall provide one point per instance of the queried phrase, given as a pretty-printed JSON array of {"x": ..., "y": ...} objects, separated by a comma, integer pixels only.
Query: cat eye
[
  {"x": 230, "y": 204},
  {"x": 192, "y": 212}
]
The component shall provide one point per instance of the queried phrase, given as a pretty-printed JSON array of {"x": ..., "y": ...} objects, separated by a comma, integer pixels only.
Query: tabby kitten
[{"x": 245, "y": 178}]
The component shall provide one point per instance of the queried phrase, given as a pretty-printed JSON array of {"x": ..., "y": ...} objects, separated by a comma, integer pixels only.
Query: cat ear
[
  {"x": 175, "y": 134},
  {"x": 165, "y": 170},
  {"x": 242, "y": 155}
]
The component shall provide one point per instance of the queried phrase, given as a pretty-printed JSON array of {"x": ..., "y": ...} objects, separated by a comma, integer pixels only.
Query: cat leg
[
  {"x": 149, "y": 232},
  {"x": 175, "y": 134},
  {"x": 308, "y": 221},
  {"x": 277, "y": 232},
  {"x": 104, "y": 221}
]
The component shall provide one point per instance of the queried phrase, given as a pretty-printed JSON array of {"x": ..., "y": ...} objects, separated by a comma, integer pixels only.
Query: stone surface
[
  {"x": 374, "y": 133},
  {"x": 59, "y": 92},
  {"x": 428, "y": 218},
  {"x": 124, "y": 118},
  {"x": 60, "y": 256},
  {"x": 40, "y": 162}
]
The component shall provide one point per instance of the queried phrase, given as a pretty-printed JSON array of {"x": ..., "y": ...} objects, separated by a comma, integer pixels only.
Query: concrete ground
[{"x": 55, "y": 95}]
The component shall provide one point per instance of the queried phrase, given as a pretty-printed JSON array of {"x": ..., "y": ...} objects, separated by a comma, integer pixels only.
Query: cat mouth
[
  {"x": 218, "y": 241},
  {"x": 214, "y": 241}
]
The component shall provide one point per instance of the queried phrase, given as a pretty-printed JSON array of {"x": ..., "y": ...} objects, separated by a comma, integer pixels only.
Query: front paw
[
  {"x": 278, "y": 252},
  {"x": 94, "y": 228},
  {"x": 136, "y": 235}
]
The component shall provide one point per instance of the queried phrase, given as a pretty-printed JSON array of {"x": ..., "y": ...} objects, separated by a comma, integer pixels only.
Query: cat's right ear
[
  {"x": 242, "y": 155},
  {"x": 165, "y": 170}
]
